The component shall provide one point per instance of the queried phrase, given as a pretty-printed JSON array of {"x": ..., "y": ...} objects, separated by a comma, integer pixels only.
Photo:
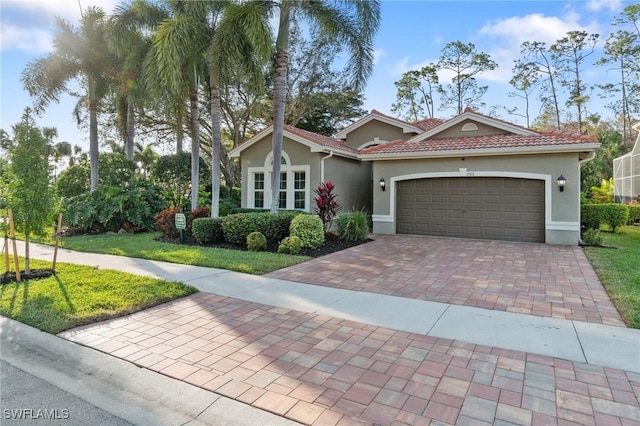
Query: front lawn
[
  {"x": 146, "y": 247},
  {"x": 619, "y": 271},
  {"x": 79, "y": 295}
]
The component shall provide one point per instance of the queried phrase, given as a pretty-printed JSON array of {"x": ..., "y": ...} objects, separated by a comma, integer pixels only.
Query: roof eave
[{"x": 484, "y": 152}]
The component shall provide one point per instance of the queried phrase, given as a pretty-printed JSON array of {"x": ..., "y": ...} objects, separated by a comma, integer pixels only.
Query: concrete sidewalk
[{"x": 596, "y": 344}]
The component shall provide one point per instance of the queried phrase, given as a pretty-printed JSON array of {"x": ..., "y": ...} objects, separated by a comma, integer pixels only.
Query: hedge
[
  {"x": 309, "y": 229},
  {"x": 634, "y": 214},
  {"x": 275, "y": 227},
  {"x": 208, "y": 230},
  {"x": 613, "y": 215}
]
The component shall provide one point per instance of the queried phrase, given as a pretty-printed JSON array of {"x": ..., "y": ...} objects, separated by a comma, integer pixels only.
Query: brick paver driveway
[{"x": 536, "y": 279}]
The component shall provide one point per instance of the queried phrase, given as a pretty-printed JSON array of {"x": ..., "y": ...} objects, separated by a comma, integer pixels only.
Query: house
[
  {"x": 626, "y": 173},
  {"x": 472, "y": 176}
]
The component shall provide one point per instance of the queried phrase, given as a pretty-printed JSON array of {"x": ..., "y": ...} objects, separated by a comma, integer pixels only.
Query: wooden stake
[
  {"x": 6, "y": 251},
  {"x": 55, "y": 250},
  {"x": 15, "y": 247}
]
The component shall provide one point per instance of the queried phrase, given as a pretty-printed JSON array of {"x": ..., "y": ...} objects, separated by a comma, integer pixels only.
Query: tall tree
[
  {"x": 415, "y": 93},
  {"x": 621, "y": 53},
  {"x": 537, "y": 53},
  {"x": 25, "y": 183},
  {"x": 525, "y": 77},
  {"x": 80, "y": 55},
  {"x": 569, "y": 54},
  {"x": 353, "y": 24},
  {"x": 465, "y": 62},
  {"x": 214, "y": 36}
]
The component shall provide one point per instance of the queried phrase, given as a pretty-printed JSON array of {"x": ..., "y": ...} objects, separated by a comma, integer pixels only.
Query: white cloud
[
  {"x": 403, "y": 66},
  {"x": 66, "y": 9},
  {"x": 32, "y": 40},
  {"x": 377, "y": 55},
  {"x": 597, "y": 5}
]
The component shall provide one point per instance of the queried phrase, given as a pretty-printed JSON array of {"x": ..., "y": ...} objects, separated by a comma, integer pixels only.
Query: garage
[{"x": 491, "y": 208}]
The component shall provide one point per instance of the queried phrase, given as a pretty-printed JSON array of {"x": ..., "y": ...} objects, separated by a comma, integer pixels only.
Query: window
[
  {"x": 294, "y": 185},
  {"x": 258, "y": 190}
]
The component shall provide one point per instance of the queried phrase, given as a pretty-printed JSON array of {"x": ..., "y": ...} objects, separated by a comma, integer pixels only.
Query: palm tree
[
  {"x": 145, "y": 157},
  {"x": 212, "y": 36},
  {"x": 353, "y": 24},
  {"x": 79, "y": 54},
  {"x": 60, "y": 150}
]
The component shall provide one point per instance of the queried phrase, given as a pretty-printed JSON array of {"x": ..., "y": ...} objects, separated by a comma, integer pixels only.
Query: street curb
[{"x": 132, "y": 393}]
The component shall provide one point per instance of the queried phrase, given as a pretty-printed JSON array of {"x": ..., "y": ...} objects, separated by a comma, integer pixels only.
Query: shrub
[
  {"x": 207, "y": 230},
  {"x": 592, "y": 237},
  {"x": 111, "y": 208},
  {"x": 353, "y": 226},
  {"x": 290, "y": 245},
  {"x": 196, "y": 213},
  {"x": 274, "y": 227},
  {"x": 613, "y": 215},
  {"x": 256, "y": 241},
  {"x": 634, "y": 213},
  {"x": 309, "y": 229},
  {"x": 326, "y": 205},
  {"x": 165, "y": 222}
]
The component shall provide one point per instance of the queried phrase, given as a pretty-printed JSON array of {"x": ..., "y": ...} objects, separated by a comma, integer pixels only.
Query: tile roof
[
  {"x": 479, "y": 142},
  {"x": 320, "y": 139},
  {"x": 428, "y": 123}
]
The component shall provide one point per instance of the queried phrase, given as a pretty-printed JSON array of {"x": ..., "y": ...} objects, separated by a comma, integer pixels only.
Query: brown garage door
[{"x": 480, "y": 207}]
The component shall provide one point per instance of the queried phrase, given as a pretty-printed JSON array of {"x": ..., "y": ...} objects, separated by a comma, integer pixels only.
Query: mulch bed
[
  {"x": 329, "y": 246},
  {"x": 10, "y": 277}
]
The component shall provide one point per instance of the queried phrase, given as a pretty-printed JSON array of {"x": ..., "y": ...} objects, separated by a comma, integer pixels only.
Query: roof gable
[
  {"x": 471, "y": 116},
  {"x": 316, "y": 142},
  {"x": 377, "y": 115}
]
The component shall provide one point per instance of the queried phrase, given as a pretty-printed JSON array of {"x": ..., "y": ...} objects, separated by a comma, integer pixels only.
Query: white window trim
[{"x": 290, "y": 170}]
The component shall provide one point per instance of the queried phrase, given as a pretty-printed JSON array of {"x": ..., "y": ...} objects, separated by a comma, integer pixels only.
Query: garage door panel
[{"x": 490, "y": 208}]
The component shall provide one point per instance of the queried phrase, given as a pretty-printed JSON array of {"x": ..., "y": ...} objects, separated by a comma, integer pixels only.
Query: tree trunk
[
  {"x": 195, "y": 148},
  {"x": 130, "y": 129},
  {"x": 279, "y": 101},
  {"x": 179, "y": 135},
  {"x": 216, "y": 142},
  {"x": 93, "y": 134}
]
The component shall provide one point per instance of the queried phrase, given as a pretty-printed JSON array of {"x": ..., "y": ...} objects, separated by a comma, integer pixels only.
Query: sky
[{"x": 411, "y": 35}]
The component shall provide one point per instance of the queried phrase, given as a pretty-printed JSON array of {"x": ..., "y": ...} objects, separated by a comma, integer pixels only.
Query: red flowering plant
[{"x": 326, "y": 205}]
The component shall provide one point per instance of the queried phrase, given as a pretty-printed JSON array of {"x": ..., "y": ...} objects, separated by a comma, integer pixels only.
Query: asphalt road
[{"x": 26, "y": 400}]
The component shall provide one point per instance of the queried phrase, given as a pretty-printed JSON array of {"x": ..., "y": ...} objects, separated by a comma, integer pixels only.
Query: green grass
[
  {"x": 619, "y": 271},
  {"x": 144, "y": 246},
  {"x": 79, "y": 295}
]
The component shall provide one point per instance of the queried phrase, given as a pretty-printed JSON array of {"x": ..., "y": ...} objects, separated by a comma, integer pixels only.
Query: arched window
[{"x": 294, "y": 185}]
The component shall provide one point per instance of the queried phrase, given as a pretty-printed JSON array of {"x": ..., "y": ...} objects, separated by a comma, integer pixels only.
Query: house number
[{"x": 470, "y": 174}]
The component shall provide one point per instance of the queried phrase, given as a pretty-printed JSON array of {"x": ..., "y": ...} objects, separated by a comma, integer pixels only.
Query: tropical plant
[
  {"x": 353, "y": 226},
  {"x": 327, "y": 206},
  {"x": 309, "y": 229},
  {"x": 79, "y": 55},
  {"x": 603, "y": 194},
  {"x": 290, "y": 245},
  {"x": 353, "y": 24}
]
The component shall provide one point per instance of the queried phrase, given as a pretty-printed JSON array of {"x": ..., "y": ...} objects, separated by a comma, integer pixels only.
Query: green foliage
[
  {"x": 592, "y": 237},
  {"x": 612, "y": 215},
  {"x": 196, "y": 213},
  {"x": 353, "y": 226},
  {"x": 274, "y": 227},
  {"x": 600, "y": 168},
  {"x": 208, "y": 230},
  {"x": 634, "y": 214},
  {"x": 604, "y": 193},
  {"x": 290, "y": 245},
  {"x": 173, "y": 173},
  {"x": 111, "y": 208},
  {"x": 165, "y": 222},
  {"x": 256, "y": 241},
  {"x": 25, "y": 182},
  {"x": 309, "y": 229},
  {"x": 73, "y": 181}
]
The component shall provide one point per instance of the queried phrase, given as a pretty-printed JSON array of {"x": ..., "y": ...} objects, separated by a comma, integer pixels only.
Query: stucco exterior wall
[
  {"x": 375, "y": 129},
  {"x": 456, "y": 131},
  {"x": 562, "y": 209},
  {"x": 353, "y": 182}
]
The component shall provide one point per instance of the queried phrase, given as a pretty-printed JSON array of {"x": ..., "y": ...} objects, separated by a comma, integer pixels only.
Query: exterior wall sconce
[
  {"x": 562, "y": 181},
  {"x": 383, "y": 184}
]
